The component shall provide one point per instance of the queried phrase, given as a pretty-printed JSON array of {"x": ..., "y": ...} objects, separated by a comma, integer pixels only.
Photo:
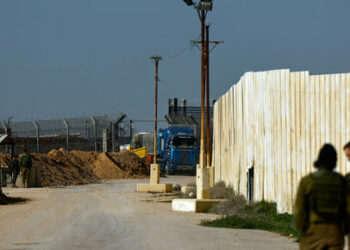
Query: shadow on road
[{"x": 5, "y": 200}]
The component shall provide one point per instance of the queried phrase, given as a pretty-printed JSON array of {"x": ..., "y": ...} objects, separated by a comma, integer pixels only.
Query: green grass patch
[{"x": 262, "y": 216}]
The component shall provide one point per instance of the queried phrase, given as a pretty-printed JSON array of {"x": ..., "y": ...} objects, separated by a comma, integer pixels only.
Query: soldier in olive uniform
[
  {"x": 320, "y": 208},
  {"x": 347, "y": 177},
  {"x": 14, "y": 169},
  {"x": 26, "y": 166}
]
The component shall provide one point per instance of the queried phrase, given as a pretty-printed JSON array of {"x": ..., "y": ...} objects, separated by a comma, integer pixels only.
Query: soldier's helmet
[{"x": 327, "y": 157}]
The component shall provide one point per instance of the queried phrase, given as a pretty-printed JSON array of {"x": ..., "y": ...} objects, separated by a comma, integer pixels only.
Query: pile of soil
[
  {"x": 4, "y": 159},
  {"x": 124, "y": 164},
  {"x": 62, "y": 167}
]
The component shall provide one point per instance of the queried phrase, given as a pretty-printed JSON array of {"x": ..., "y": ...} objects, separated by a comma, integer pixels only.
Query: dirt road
[{"x": 112, "y": 216}]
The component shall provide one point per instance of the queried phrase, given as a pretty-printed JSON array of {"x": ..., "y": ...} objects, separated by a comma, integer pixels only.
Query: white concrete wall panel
[
  {"x": 276, "y": 121},
  {"x": 347, "y": 112}
]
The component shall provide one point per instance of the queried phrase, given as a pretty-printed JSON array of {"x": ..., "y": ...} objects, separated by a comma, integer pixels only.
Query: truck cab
[{"x": 177, "y": 149}]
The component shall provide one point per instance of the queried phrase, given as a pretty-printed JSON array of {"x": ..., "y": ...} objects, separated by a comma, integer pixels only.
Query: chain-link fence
[{"x": 90, "y": 133}]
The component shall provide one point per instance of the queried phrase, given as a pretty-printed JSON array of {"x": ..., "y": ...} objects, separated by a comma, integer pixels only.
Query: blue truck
[{"x": 177, "y": 150}]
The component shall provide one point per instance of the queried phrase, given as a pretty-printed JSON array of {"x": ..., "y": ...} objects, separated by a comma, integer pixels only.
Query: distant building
[{"x": 182, "y": 114}]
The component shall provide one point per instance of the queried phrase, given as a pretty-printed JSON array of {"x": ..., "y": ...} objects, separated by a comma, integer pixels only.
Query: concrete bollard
[
  {"x": 155, "y": 174},
  {"x": 203, "y": 183}
]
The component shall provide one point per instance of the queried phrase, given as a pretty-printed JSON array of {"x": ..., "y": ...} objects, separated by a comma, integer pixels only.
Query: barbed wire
[{"x": 92, "y": 64}]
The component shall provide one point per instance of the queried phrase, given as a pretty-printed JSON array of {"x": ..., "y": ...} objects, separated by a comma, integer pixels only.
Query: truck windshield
[{"x": 184, "y": 142}]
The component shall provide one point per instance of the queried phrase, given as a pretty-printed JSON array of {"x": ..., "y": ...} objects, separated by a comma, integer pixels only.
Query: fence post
[
  {"x": 105, "y": 140},
  {"x": 36, "y": 125},
  {"x": 66, "y": 124},
  {"x": 130, "y": 131},
  {"x": 113, "y": 137},
  {"x": 95, "y": 130},
  {"x": 116, "y": 126}
]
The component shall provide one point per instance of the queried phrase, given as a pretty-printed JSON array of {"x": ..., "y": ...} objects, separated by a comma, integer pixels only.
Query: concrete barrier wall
[{"x": 276, "y": 121}]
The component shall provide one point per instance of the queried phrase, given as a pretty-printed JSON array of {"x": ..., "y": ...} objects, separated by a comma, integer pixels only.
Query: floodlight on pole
[
  {"x": 154, "y": 185},
  {"x": 206, "y": 5},
  {"x": 204, "y": 166},
  {"x": 202, "y": 7},
  {"x": 205, "y": 172},
  {"x": 188, "y": 2}
]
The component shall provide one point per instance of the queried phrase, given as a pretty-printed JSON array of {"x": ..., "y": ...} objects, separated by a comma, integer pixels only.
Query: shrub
[{"x": 258, "y": 215}]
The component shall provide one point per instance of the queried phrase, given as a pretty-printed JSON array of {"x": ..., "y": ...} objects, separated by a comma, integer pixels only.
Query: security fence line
[
  {"x": 95, "y": 133},
  {"x": 270, "y": 126}
]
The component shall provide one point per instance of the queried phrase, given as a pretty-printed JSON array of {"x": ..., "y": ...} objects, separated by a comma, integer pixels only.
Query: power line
[{"x": 91, "y": 64}]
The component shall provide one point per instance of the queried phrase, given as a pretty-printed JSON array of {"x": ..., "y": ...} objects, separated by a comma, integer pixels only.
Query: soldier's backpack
[
  {"x": 347, "y": 177},
  {"x": 26, "y": 161},
  {"x": 327, "y": 194}
]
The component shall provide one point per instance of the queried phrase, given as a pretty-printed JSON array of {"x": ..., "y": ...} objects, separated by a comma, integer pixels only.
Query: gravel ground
[{"x": 112, "y": 215}]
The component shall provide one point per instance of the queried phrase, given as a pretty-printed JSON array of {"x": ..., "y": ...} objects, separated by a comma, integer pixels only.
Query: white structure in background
[
  {"x": 3, "y": 137},
  {"x": 269, "y": 127},
  {"x": 124, "y": 147}
]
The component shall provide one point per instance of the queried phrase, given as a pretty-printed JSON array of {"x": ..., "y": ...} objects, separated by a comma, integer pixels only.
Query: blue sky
[{"x": 55, "y": 54}]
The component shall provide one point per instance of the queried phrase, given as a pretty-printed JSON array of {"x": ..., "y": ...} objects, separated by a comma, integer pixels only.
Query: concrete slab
[
  {"x": 157, "y": 188},
  {"x": 194, "y": 205}
]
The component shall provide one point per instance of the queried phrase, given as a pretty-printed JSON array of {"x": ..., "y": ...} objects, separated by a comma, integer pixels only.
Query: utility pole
[
  {"x": 154, "y": 185},
  {"x": 205, "y": 172},
  {"x": 208, "y": 96},
  {"x": 156, "y": 60},
  {"x": 205, "y": 51},
  {"x": 202, "y": 7},
  {"x": 202, "y": 17}
]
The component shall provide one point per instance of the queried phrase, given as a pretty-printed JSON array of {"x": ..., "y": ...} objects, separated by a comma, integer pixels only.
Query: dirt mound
[
  {"x": 62, "y": 167},
  {"x": 124, "y": 164},
  {"x": 130, "y": 163},
  {"x": 4, "y": 159}
]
